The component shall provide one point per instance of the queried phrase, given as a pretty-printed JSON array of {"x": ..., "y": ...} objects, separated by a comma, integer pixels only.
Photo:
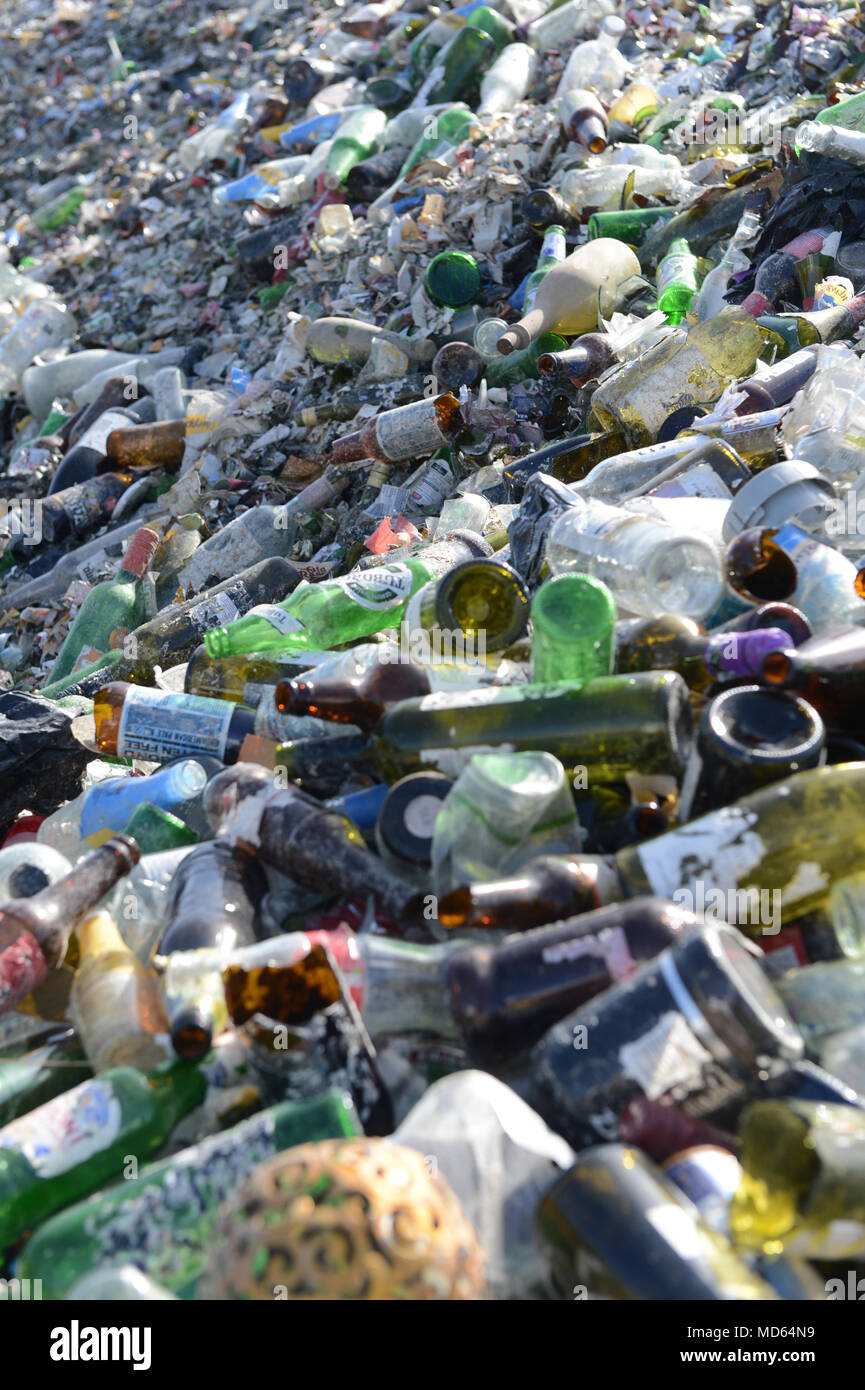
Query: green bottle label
[
  {"x": 382, "y": 588},
  {"x": 67, "y": 1131}
]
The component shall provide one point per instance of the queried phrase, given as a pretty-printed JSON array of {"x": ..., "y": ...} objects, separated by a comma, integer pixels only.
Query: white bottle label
[
  {"x": 277, "y": 617},
  {"x": 698, "y": 481},
  {"x": 386, "y": 587},
  {"x": 719, "y": 849},
  {"x": 67, "y": 1131},
  {"x": 158, "y": 725},
  {"x": 668, "y": 1056},
  {"x": 213, "y": 612}
]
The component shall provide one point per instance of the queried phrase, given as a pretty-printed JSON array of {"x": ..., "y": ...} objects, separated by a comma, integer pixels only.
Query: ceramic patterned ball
[{"x": 344, "y": 1218}]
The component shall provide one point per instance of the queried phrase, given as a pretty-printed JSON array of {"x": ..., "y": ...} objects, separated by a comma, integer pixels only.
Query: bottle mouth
[
  {"x": 216, "y": 642},
  {"x": 776, "y": 668}
]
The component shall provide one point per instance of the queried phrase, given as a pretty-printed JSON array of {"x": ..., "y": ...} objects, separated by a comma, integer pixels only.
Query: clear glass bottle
[{"x": 646, "y": 564}]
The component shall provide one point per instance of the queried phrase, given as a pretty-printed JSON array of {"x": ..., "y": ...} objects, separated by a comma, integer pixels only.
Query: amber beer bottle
[
  {"x": 157, "y": 445},
  {"x": 409, "y": 431},
  {"x": 360, "y": 697}
]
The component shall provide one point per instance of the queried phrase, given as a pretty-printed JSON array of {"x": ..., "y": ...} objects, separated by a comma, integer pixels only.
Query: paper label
[
  {"x": 158, "y": 725},
  {"x": 408, "y": 430},
  {"x": 277, "y": 617},
  {"x": 669, "y": 1055},
  {"x": 213, "y": 612},
  {"x": 610, "y": 944},
  {"x": 386, "y": 587},
  {"x": 67, "y": 1131},
  {"x": 698, "y": 481},
  {"x": 719, "y": 849}
]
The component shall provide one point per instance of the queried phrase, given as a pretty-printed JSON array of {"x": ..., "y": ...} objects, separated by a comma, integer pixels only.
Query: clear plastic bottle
[{"x": 648, "y": 566}]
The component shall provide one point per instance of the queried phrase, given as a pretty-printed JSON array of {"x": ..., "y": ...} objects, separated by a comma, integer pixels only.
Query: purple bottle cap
[{"x": 742, "y": 653}]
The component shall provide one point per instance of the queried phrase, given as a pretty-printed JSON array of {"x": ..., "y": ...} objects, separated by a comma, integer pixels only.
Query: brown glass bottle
[
  {"x": 409, "y": 431},
  {"x": 319, "y": 848},
  {"x": 361, "y": 701},
  {"x": 590, "y": 355},
  {"x": 134, "y": 721},
  {"x": 505, "y": 997},
  {"x": 548, "y": 890},
  {"x": 157, "y": 445},
  {"x": 829, "y": 672},
  {"x": 35, "y": 931}
]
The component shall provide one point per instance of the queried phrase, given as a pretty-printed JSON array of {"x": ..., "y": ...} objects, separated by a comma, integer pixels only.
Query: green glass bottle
[
  {"x": 573, "y": 620},
  {"x": 459, "y": 66},
  {"x": 492, "y": 23},
  {"x": 110, "y": 611},
  {"x": 356, "y": 139},
  {"x": 676, "y": 278},
  {"x": 803, "y": 1189},
  {"x": 604, "y": 729},
  {"x": 335, "y": 611},
  {"x": 452, "y": 278},
  {"x": 630, "y": 225},
  {"x": 161, "y": 1221},
  {"x": 155, "y": 830},
  {"x": 55, "y": 1065},
  {"x": 553, "y": 250},
  {"x": 81, "y": 1140}
]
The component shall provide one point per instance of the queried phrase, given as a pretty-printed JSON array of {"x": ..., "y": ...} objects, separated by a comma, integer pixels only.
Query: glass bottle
[
  {"x": 676, "y": 278},
  {"x": 692, "y": 369},
  {"x": 110, "y": 611},
  {"x": 160, "y": 444},
  {"x": 749, "y": 737},
  {"x": 35, "y": 931},
  {"x": 409, "y": 431},
  {"x": 356, "y": 138},
  {"x": 597, "y": 64},
  {"x": 326, "y": 851},
  {"x": 699, "y": 1024},
  {"x": 568, "y": 296},
  {"x": 573, "y": 618},
  {"x": 178, "y": 1197},
  {"x": 787, "y": 563},
  {"x": 802, "y": 1189},
  {"x": 335, "y": 611},
  {"x": 647, "y": 565},
  {"x": 78, "y": 1142},
  {"x": 508, "y": 80},
  {"x": 607, "y": 727},
  {"x": 115, "y": 1002},
  {"x": 828, "y": 671},
  {"x": 616, "y": 1227}
]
